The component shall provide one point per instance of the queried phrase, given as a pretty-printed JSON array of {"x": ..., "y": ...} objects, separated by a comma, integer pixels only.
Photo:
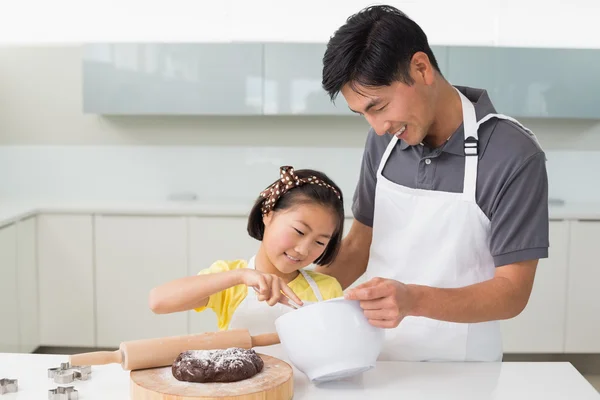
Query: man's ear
[{"x": 421, "y": 69}]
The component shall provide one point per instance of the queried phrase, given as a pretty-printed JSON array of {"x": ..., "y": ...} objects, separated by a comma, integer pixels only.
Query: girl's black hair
[{"x": 304, "y": 194}]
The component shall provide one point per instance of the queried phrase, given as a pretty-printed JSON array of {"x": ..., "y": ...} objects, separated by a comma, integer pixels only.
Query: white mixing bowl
[{"x": 330, "y": 340}]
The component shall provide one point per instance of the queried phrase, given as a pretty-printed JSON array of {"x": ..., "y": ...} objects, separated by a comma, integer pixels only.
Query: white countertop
[
  {"x": 389, "y": 380},
  {"x": 12, "y": 210}
]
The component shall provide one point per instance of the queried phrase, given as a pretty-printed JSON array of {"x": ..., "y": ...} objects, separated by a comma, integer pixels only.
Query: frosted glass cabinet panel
[
  {"x": 285, "y": 79},
  {"x": 173, "y": 78},
  {"x": 532, "y": 82},
  {"x": 292, "y": 80},
  {"x": 292, "y": 83}
]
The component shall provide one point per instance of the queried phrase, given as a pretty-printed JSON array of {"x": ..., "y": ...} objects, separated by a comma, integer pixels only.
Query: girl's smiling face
[{"x": 294, "y": 238}]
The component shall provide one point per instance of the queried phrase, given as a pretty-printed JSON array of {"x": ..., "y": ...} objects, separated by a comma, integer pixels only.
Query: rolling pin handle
[
  {"x": 266, "y": 339},
  {"x": 97, "y": 358}
]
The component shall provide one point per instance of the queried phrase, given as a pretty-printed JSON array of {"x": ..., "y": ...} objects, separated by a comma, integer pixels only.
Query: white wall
[{"x": 551, "y": 23}]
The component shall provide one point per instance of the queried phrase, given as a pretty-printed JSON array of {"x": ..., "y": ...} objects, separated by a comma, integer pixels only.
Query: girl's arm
[{"x": 192, "y": 292}]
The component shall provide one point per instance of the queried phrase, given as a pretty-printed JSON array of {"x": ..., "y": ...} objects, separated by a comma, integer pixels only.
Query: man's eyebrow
[{"x": 372, "y": 103}]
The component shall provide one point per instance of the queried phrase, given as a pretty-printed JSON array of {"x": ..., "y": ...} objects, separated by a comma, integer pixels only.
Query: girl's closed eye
[{"x": 299, "y": 232}]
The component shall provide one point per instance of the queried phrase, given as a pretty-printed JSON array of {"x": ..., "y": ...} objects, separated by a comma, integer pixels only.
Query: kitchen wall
[
  {"x": 553, "y": 23},
  {"x": 40, "y": 104},
  {"x": 50, "y": 149}
]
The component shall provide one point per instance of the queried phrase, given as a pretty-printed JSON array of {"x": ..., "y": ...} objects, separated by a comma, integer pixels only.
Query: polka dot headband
[{"x": 288, "y": 180}]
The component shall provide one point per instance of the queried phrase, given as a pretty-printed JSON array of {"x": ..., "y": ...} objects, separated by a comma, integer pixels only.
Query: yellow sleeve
[
  {"x": 226, "y": 301},
  {"x": 329, "y": 286},
  {"x": 334, "y": 289}
]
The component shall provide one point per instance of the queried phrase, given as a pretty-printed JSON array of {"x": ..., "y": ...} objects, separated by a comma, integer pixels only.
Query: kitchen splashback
[{"x": 215, "y": 174}]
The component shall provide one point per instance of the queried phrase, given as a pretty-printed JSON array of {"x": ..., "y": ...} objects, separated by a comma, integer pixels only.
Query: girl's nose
[{"x": 302, "y": 248}]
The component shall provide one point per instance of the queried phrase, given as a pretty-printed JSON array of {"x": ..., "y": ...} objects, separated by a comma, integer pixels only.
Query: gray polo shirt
[{"x": 512, "y": 184}]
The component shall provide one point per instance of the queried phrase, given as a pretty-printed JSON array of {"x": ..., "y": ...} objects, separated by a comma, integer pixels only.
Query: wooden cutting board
[{"x": 274, "y": 382}]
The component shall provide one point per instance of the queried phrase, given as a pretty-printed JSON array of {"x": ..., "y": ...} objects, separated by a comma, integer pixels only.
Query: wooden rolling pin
[{"x": 160, "y": 352}]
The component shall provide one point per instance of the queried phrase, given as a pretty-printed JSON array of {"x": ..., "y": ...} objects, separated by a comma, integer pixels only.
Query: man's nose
[{"x": 380, "y": 127}]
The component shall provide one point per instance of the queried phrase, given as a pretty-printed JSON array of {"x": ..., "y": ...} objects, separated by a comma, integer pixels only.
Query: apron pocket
[{"x": 425, "y": 339}]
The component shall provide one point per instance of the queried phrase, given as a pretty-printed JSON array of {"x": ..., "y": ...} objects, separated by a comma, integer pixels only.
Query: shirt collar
[{"x": 483, "y": 106}]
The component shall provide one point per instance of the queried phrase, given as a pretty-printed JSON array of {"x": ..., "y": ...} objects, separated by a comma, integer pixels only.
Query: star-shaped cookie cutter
[
  {"x": 67, "y": 373},
  {"x": 8, "y": 386},
  {"x": 63, "y": 393}
]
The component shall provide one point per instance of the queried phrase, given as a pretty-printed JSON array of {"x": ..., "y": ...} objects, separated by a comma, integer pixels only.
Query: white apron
[
  {"x": 437, "y": 239},
  {"x": 258, "y": 317}
]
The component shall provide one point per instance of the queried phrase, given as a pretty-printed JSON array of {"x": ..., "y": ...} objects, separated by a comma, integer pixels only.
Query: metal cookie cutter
[
  {"x": 67, "y": 373},
  {"x": 8, "y": 386},
  {"x": 63, "y": 393}
]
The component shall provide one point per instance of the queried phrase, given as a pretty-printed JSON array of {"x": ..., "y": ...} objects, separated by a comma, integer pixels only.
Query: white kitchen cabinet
[
  {"x": 66, "y": 285},
  {"x": 212, "y": 239},
  {"x": 540, "y": 328},
  {"x": 9, "y": 317},
  {"x": 133, "y": 255},
  {"x": 27, "y": 284},
  {"x": 583, "y": 301}
]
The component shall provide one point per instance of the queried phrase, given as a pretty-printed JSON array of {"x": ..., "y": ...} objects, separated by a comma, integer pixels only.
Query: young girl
[{"x": 299, "y": 220}]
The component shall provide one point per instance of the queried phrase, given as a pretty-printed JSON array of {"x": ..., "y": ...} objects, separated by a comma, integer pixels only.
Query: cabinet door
[
  {"x": 212, "y": 239},
  {"x": 27, "y": 277},
  {"x": 66, "y": 285},
  {"x": 292, "y": 84},
  {"x": 172, "y": 78},
  {"x": 293, "y": 73},
  {"x": 133, "y": 255},
  {"x": 540, "y": 328},
  {"x": 9, "y": 330},
  {"x": 530, "y": 82},
  {"x": 583, "y": 302}
]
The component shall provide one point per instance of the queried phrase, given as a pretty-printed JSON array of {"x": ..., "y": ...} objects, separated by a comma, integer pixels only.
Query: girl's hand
[{"x": 270, "y": 287}]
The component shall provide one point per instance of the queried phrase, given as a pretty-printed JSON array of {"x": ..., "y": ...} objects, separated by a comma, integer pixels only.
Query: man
[{"x": 451, "y": 211}]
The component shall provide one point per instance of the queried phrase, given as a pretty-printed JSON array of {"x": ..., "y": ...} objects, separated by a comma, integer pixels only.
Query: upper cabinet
[
  {"x": 176, "y": 79},
  {"x": 292, "y": 81},
  {"x": 285, "y": 79},
  {"x": 293, "y": 76},
  {"x": 531, "y": 82}
]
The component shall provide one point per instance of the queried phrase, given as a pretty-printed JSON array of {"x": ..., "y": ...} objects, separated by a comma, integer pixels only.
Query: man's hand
[{"x": 385, "y": 301}]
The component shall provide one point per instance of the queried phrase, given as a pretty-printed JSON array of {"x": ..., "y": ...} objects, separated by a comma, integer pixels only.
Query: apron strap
[
  {"x": 386, "y": 154},
  {"x": 502, "y": 116},
  {"x": 471, "y": 142},
  {"x": 313, "y": 285}
]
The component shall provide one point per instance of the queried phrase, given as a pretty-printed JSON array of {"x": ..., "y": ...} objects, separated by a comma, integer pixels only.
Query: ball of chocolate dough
[{"x": 227, "y": 365}]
